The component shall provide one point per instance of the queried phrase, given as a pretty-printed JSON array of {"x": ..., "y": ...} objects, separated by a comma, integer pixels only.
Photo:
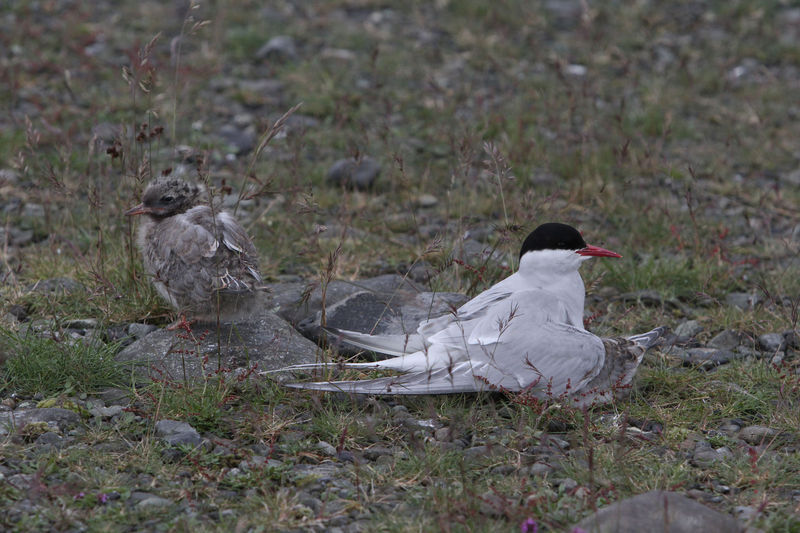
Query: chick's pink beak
[
  {"x": 596, "y": 251},
  {"x": 137, "y": 210}
]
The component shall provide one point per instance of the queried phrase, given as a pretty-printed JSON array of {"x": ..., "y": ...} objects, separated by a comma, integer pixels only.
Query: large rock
[
  {"x": 386, "y": 305},
  {"x": 267, "y": 342},
  {"x": 658, "y": 511},
  {"x": 299, "y": 302},
  {"x": 389, "y": 314}
]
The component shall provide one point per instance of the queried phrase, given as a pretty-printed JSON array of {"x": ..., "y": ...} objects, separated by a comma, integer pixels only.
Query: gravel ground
[{"x": 429, "y": 137}]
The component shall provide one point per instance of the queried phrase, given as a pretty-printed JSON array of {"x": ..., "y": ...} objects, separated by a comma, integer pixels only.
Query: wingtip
[
  {"x": 321, "y": 386},
  {"x": 332, "y": 331},
  {"x": 651, "y": 338}
]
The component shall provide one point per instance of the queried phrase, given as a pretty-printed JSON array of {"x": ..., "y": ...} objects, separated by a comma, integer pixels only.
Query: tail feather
[
  {"x": 417, "y": 362},
  {"x": 437, "y": 382},
  {"x": 649, "y": 339},
  {"x": 395, "y": 345},
  {"x": 322, "y": 366}
]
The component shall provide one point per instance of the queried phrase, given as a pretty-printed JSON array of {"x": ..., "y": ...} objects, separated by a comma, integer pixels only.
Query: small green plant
[{"x": 57, "y": 363}]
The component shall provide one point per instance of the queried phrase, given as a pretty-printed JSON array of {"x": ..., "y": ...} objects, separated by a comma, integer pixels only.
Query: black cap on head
[{"x": 553, "y": 236}]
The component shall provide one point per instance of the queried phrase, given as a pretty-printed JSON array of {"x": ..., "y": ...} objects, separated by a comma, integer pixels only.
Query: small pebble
[
  {"x": 688, "y": 329},
  {"x": 742, "y": 300},
  {"x": 427, "y": 200},
  {"x": 354, "y": 173},
  {"x": 771, "y": 342},
  {"x": 726, "y": 340},
  {"x": 326, "y": 448},
  {"x": 281, "y": 47},
  {"x": 757, "y": 434}
]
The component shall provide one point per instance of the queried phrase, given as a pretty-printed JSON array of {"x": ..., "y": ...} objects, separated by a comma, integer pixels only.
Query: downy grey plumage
[{"x": 200, "y": 259}]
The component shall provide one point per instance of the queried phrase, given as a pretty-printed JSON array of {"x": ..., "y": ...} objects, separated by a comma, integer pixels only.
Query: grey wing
[
  {"x": 516, "y": 345},
  {"x": 235, "y": 237},
  {"x": 232, "y": 267},
  {"x": 549, "y": 360},
  {"x": 241, "y": 262},
  {"x": 175, "y": 256},
  {"x": 523, "y": 343},
  {"x": 474, "y": 309},
  {"x": 451, "y": 325}
]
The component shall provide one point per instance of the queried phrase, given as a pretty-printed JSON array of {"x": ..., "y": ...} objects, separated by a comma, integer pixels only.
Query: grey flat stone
[
  {"x": 707, "y": 357},
  {"x": 267, "y": 342},
  {"x": 189, "y": 439},
  {"x": 168, "y": 427},
  {"x": 726, "y": 340},
  {"x": 298, "y": 301},
  {"x": 386, "y": 304},
  {"x": 137, "y": 331},
  {"x": 742, "y": 300},
  {"x": 757, "y": 434},
  {"x": 154, "y": 501},
  {"x": 50, "y": 439},
  {"x": 326, "y": 448},
  {"x": 658, "y": 511},
  {"x": 241, "y": 139},
  {"x": 772, "y": 342},
  {"x": 792, "y": 339},
  {"x": 540, "y": 469},
  {"x": 704, "y": 455},
  {"x": 174, "y": 432},
  {"x": 51, "y": 415},
  {"x": 688, "y": 329},
  {"x": 398, "y": 313},
  {"x": 114, "y": 396},
  {"x": 106, "y": 412},
  {"x": 483, "y": 452},
  {"x": 8, "y": 175},
  {"x": 427, "y": 200}
]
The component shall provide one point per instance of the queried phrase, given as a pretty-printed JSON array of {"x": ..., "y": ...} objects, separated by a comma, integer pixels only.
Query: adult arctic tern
[{"x": 524, "y": 333}]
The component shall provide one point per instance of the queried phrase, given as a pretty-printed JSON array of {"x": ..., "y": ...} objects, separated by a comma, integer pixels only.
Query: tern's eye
[{"x": 167, "y": 199}]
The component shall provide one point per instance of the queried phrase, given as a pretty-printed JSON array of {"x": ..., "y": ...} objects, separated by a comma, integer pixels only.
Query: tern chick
[{"x": 200, "y": 259}]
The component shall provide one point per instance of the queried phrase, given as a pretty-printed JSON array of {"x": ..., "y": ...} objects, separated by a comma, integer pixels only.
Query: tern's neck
[{"x": 556, "y": 271}]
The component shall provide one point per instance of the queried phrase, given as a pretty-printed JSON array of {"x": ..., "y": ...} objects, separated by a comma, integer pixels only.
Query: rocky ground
[{"x": 428, "y": 140}]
